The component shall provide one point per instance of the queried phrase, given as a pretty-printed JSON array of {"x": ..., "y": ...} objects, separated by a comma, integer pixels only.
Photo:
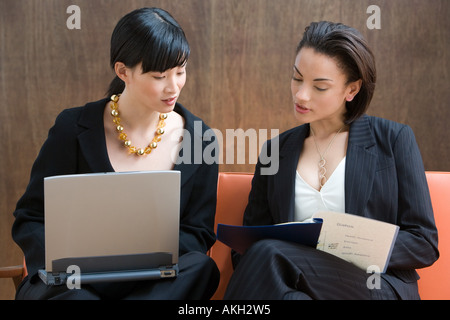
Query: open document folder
[{"x": 362, "y": 241}]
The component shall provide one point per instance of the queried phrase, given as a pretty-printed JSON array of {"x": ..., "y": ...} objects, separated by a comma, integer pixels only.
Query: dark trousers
[
  {"x": 198, "y": 279},
  {"x": 278, "y": 270}
]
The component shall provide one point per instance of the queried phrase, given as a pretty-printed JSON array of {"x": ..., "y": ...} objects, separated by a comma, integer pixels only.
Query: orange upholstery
[
  {"x": 434, "y": 283},
  {"x": 232, "y": 193},
  {"x": 232, "y": 197},
  {"x": 233, "y": 190}
]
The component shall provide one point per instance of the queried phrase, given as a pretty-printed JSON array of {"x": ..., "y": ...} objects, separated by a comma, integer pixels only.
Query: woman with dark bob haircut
[
  {"x": 339, "y": 159},
  {"x": 139, "y": 126}
]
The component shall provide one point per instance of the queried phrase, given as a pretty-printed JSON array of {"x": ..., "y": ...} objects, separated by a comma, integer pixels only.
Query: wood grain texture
[{"x": 238, "y": 74}]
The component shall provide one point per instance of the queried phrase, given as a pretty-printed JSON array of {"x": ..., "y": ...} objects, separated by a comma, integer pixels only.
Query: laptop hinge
[{"x": 112, "y": 263}]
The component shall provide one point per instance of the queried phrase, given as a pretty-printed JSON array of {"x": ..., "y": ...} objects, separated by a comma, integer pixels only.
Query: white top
[{"x": 331, "y": 197}]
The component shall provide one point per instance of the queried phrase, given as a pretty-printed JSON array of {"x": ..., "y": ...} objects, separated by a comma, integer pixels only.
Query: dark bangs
[
  {"x": 166, "y": 49},
  {"x": 151, "y": 36}
]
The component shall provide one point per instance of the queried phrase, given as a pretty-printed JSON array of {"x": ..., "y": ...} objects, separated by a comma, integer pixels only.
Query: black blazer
[
  {"x": 384, "y": 180},
  {"x": 76, "y": 144}
]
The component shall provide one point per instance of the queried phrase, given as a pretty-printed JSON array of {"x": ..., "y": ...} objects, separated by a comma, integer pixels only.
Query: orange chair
[
  {"x": 233, "y": 190},
  {"x": 232, "y": 197},
  {"x": 434, "y": 283}
]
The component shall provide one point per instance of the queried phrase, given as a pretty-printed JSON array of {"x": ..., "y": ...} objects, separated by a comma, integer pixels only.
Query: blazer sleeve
[
  {"x": 197, "y": 219},
  {"x": 258, "y": 210},
  {"x": 199, "y": 198},
  {"x": 416, "y": 244},
  {"x": 56, "y": 156}
]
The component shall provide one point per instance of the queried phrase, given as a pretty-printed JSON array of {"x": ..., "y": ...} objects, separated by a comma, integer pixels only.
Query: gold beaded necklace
[{"x": 123, "y": 136}]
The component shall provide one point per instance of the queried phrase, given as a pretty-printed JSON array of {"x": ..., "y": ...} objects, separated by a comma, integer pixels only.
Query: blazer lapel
[
  {"x": 92, "y": 137},
  {"x": 192, "y": 143},
  {"x": 189, "y": 144},
  {"x": 360, "y": 166},
  {"x": 284, "y": 181}
]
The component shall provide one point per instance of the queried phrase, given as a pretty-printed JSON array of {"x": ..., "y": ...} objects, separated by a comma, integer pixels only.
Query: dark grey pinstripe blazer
[{"x": 384, "y": 180}]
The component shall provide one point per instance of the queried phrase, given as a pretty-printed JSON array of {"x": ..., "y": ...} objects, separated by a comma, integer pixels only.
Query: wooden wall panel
[{"x": 238, "y": 75}]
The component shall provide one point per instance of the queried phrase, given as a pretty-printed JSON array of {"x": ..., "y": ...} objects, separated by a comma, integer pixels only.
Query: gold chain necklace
[
  {"x": 322, "y": 161},
  {"x": 123, "y": 136}
]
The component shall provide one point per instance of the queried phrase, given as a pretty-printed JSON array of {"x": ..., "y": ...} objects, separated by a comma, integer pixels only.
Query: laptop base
[
  {"x": 111, "y": 268},
  {"x": 60, "y": 278}
]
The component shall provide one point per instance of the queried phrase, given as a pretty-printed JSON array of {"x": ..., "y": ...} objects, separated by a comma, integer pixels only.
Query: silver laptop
[{"x": 111, "y": 226}]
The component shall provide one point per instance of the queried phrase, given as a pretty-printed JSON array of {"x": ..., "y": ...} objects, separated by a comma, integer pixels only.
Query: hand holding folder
[{"x": 362, "y": 241}]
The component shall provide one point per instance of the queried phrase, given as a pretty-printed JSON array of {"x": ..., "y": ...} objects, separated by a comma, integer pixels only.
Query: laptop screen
[{"x": 102, "y": 214}]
